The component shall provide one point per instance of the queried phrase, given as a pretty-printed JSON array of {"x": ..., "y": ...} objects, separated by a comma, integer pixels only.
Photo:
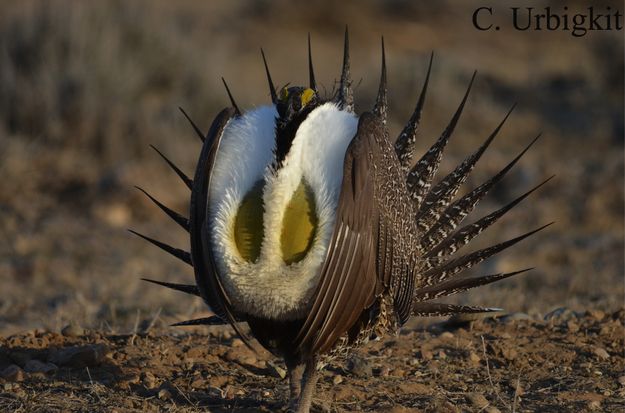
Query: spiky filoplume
[{"x": 392, "y": 239}]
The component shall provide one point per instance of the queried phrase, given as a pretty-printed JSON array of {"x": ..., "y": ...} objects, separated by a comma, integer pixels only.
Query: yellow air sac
[
  {"x": 248, "y": 224},
  {"x": 299, "y": 225}
]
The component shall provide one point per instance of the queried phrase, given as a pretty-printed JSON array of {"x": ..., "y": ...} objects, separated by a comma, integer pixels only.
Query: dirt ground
[
  {"x": 565, "y": 362},
  {"x": 86, "y": 87}
]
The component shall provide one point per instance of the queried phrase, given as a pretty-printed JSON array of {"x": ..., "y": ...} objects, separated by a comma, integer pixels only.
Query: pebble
[
  {"x": 492, "y": 409},
  {"x": 149, "y": 381},
  {"x": 594, "y": 405},
  {"x": 79, "y": 357},
  {"x": 475, "y": 359},
  {"x": 359, "y": 367},
  {"x": 572, "y": 326},
  {"x": 164, "y": 394},
  {"x": 12, "y": 373},
  {"x": 596, "y": 314},
  {"x": 338, "y": 379},
  {"x": 447, "y": 335},
  {"x": 509, "y": 353},
  {"x": 621, "y": 380},
  {"x": 601, "y": 353},
  {"x": 515, "y": 317},
  {"x": 478, "y": 400},
  {"x": 36, "y": 366},
  {"x": 72, "y": 330}
]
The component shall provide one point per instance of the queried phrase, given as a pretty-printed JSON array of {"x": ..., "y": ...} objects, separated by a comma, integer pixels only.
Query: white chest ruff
[{"x": 269, "y": 287}]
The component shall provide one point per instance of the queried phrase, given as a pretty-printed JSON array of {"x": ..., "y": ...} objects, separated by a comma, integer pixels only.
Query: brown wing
[
  {"x": 206, "y": 275},
  {"x": 348, "y": 277}
]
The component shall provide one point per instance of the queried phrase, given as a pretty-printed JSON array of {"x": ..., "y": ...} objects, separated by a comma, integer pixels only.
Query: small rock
[
  {"x": 149, "y": 381},
  {"x": 557, "y": 313},
  {"x": 509, "y": 353},
  {"x": 79, "y": 357},
  {"x": 475, "y": 359},
  {"x": 164, "y": 394},
  {"x": 621, "y": 380},
  {"x": 36, "y": 366},
  {"x": 492, "y": 409},
  {"x": 515, "y": 317},
  {"x": 478, "y": 400},
  {"x": 12, "y": 373},
  {"x": 385, "y": 371},
  {"x": 596, "y": 314},
  {"x": 237, "y": 342},
  {"x": 572, "y": 326},
  {"x": 338, "y": 379},
  {"x": 426, "y": 354},
  {"x": 197, "y": 383},
  {"x": 441, "y": 355},
  {"x": 72, "y": 330},
  {"x": 359, "y": 367},
  {"x": 594, "y": 405},
  {"x": 447, "y": 335},
  {"x": 601, "y": 353},
  {"x": 276, "y": 370}
]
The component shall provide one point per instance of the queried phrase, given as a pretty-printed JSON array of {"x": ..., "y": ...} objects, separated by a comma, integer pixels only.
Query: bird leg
[
  {"x": 309, "y": 382},
  {"x": 295, "y": 372}
]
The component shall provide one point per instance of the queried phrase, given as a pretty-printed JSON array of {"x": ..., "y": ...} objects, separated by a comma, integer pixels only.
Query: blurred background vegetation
[{"x": 85, "y": 87}]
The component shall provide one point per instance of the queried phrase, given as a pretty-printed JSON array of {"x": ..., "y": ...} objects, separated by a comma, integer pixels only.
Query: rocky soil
[{"x": 563, "y": 362}]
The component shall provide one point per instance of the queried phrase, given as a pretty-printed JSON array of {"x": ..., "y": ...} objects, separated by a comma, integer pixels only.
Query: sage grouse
[{"x": 314, "y": 227}]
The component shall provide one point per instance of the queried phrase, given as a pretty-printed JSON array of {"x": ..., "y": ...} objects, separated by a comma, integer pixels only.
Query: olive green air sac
[
  {"x": 299, "y": 225},
  {"x": 248, "y": 224}
]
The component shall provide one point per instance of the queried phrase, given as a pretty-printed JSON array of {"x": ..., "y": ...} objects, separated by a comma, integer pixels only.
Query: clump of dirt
[{"x": 565, "y": 361}]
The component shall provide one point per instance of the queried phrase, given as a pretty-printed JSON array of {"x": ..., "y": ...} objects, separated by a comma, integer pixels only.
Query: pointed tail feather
[
  {"x": 180, "y": 220},
  {"x": 176, "y": 252},
  {"x": 454, "y": 266},
  {"x": 272, "y": 88},
  {"x": 206, "y": 321},
  {"x": 187, "y": 181},
  {"x": 464, "y": 235},
  {"x": 420, "y": 177},
  {"x": 193, "y": 125},
  {"x": 442, "y": 193},
  {"x": 345, "y": 97},
  {"x": 380, "y": 107},
  {"x": 404, "y": 146},
  {"x": 458, "y": 210},
  {"x": 311, "y": 72},
  {"x": 438, "y": 309},
  {"x": 460, "y": 284},
  {"x": 237, "y": 111},
  {"x": 185, "y": 288}
]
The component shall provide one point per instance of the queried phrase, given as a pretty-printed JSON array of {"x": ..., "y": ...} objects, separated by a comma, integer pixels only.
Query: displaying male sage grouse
[{"x": 314, "y": 227}]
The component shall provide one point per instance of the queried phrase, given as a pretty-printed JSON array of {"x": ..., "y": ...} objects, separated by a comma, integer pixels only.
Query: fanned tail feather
[
  {"x": 460, "y": 284},
  {"x": 459, "y": 209},
  {"x": 187, "y": 181},
  {"x": 180, "y": 220},
  {"x": 405, "y": 144},
  {"x": 439, "y": 309},
  {"x": 454, "y": 266},
  {"x": 185, "y": 288},
  {"x": 182, "y": 255},
  {"x": 442, "y": 193},
  {"x": 193, "y": 125},
  {"x": 464, "y": 235},
  {"x": 206, "y": 321},
  {"x": 420, "y": 177}
]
